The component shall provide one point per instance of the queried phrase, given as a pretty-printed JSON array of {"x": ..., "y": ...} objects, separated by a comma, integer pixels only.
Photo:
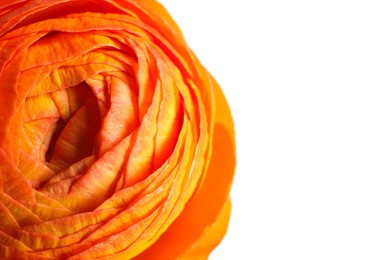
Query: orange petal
[{"x": 202, "y": 212}]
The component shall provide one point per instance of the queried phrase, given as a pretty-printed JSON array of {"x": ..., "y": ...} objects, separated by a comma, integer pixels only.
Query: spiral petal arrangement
[{"x": 115, "y": 142}]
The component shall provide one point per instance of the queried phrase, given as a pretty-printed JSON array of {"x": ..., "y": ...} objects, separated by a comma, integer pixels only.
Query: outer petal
[{"x": 203, "y": 222}]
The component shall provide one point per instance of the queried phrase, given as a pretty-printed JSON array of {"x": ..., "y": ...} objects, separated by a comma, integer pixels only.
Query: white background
[{"x": 309, "y": 86}]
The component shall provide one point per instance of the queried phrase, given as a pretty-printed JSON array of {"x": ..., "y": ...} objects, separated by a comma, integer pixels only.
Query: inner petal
[{"x": 77, "y": 139}]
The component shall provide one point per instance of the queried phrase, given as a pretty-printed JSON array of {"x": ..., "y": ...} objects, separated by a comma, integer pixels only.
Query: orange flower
[{"x": 115, "y": 142}]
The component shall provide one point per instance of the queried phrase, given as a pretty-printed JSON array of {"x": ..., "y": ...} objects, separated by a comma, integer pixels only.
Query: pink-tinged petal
[
  {"x": 76, "y": 140},
  {"x": 101, "y": 178},
  {"x": 140, "y": 161},
  {"x": 122, "y": 117},
  {"x": 56, "y": 183}
]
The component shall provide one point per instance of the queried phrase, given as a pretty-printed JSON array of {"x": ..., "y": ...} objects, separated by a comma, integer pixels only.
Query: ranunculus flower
[{"x": 115, "y": 142}]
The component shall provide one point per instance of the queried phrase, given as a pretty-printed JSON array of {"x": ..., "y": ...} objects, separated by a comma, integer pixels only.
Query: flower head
[{"x": 115, "y": 142}]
